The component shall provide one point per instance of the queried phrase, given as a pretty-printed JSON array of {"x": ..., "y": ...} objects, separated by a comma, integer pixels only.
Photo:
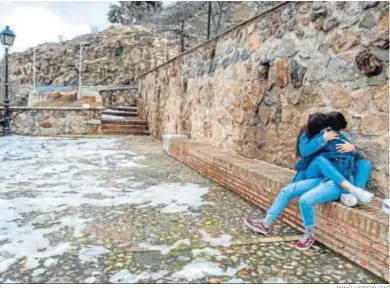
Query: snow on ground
[{"x": 44, "y": 176}]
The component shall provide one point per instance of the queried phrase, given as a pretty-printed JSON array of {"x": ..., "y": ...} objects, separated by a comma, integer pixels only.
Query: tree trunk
[
  {"x": 208, "y": 22},
  {"x": 182, "y": 35}
]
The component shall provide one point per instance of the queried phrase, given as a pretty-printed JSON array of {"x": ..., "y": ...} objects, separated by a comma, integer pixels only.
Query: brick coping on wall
[
  {"x": 13, "y": 108},
  {"x": 272, "y": 8},
  {"x": 359, "y": 234}
]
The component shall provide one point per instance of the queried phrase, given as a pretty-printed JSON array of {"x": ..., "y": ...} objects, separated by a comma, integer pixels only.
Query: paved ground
[{"x": 119, "y": 210}]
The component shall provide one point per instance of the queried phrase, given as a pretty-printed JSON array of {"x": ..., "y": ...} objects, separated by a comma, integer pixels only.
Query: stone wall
[
  {"x": 40, "y": 98},
  {"x": 250, "y": 89},
  {"x": 45, "y": 121},
  {"x": 119, "y": 96},
  {"x": 17, "y": 94}
]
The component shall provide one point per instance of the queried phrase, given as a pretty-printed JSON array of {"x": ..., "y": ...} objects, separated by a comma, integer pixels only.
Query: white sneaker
[
  {"x": 348, "y": 200},
  {"x": 363, "y": 196}
]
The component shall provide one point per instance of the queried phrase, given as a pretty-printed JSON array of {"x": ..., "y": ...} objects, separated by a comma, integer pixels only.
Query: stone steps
[
  {"x": 120, "y": 113},
  {"x": 134, "y": 122},
  {"x": 132, "y": 109},
  {"x": 116, "y": 127},
  {"x": 125, "y": 132},
  {"x": 123, "y": 121}
]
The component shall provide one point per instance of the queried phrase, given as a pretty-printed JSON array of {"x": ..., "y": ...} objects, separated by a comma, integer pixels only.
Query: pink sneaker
[
  {"x": 256, "y": 226},
  {"x": 305, "y": 242}
]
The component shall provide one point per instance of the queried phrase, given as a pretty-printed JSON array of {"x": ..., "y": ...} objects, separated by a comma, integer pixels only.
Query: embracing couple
[{"x": 329, "y": 168}]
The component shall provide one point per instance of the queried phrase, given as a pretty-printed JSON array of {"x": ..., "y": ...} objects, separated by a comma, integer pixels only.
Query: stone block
[
  {"x": 341, "y": 98},
  {"x": 167, "y": 140},
  {"x": 370, "y": 19},
  {"x": 297, "y": 73},
  {"x": 282, "y": 72},
  {"x": 330, "y": 23}
]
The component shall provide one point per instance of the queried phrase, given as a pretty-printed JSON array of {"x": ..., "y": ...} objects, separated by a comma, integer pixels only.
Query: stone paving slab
[{"x": 118, "y": 210}]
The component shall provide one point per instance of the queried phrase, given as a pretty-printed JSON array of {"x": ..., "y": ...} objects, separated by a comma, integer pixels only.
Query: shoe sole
[
  {"x": 344, "y": 201},
  {"x": 255, "y": 229},
  {"x": 306, "y": 248}
]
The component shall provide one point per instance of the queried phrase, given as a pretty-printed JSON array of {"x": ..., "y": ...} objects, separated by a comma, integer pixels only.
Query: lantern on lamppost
[{"x": 7, "y": 38}]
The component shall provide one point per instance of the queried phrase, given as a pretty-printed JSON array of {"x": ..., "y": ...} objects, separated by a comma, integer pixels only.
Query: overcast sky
[{"x": 38, "y": 22}]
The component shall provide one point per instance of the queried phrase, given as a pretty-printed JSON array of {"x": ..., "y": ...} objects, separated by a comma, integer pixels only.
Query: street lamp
[
  {"x": 7, "y": 38},
  {"x": 81, "y": 45}
]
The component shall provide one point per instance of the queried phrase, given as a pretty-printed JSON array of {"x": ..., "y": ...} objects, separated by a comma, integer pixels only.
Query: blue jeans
[
  {"x": 316, "y": 191},
  {"x": 363, "y": 170},
  {"x": 322, "y": 167}
]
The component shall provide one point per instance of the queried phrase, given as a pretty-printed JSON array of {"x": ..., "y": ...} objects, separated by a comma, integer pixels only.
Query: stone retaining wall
[
  {"x": 250, "y": 89},
  {"x": 41, "y": 98},
  {"x": 119, "y": 97},
  {"x": 52, "y": 121},
  {"x": 360, "y": 234}
]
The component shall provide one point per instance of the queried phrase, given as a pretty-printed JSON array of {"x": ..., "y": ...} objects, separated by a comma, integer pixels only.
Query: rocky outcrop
[
  {"x": 269, "y": 74},
  {"x": 115, "y": 56}
]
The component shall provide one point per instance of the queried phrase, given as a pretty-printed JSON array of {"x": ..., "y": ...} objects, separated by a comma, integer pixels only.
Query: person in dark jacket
[{"x": 313, "y": 138}]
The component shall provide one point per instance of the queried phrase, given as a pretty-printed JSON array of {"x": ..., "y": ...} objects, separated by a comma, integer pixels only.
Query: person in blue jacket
[
  {"x": 333, "y": 157},
  {"x": 314, "y": 138}
]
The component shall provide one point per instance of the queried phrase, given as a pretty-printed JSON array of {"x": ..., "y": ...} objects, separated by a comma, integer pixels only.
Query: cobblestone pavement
[{"x": 103, "y": 210}]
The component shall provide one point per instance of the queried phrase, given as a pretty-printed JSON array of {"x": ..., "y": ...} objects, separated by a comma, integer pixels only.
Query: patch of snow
[
  {"x": 274, "y": 280},
  {"x": 198, "y": 269},
  {"x": 124, "y": 276},
  {"x": 87, "y": 254},
  {"x": 164, "y": 249},
  {"x": 50, "y": 262},
  {"x": 206, "y": 251},
  {"x": 139, "y": 158},
  {"x": 154, "y": 276},
  {"x": 112, "y": 117},
  {"x": 136, "y": 184},
  {"x": 37, "y": 272},
  {"x": 90, "y": 280},
  {"x": 42, "y": 171},
  {"x": 31, "y": 263},
  {"x": 223, "y": 240}
]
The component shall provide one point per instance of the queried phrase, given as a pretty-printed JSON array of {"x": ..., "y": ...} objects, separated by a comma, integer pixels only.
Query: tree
[
  {"x": 181, "y": 19},
  {"x": 114, "y": 14},
  {"x": 222, "y": 14},
  {"x": 128, "y": 12}
]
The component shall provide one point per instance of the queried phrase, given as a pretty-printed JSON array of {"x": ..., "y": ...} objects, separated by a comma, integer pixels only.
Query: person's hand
[
  {"x": 346, "y": 147},
  {"x": 330, "y": 135}
]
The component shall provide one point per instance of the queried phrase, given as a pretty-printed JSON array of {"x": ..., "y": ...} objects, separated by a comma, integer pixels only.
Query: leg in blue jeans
[
  {"x": 292, "y": 190},
  {"x": 363, "y": 173},
  {"x": 324, "y": 192},
  {"x": 322, "y": 167}
]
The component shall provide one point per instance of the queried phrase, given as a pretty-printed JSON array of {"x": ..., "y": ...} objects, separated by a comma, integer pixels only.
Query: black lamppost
[{"x": 7, "y": 38}]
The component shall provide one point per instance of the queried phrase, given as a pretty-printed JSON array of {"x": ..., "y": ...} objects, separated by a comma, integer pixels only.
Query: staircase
[{"x": 123, "y": 120}]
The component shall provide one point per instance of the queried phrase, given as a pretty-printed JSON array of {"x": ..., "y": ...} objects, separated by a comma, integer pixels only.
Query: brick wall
[{"x": 360, "y": 234}]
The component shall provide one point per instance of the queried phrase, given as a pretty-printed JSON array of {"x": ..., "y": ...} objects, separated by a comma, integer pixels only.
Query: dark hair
[
  {"x": 315, "y": 123},
  {"x": 336, "y": 120}
]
